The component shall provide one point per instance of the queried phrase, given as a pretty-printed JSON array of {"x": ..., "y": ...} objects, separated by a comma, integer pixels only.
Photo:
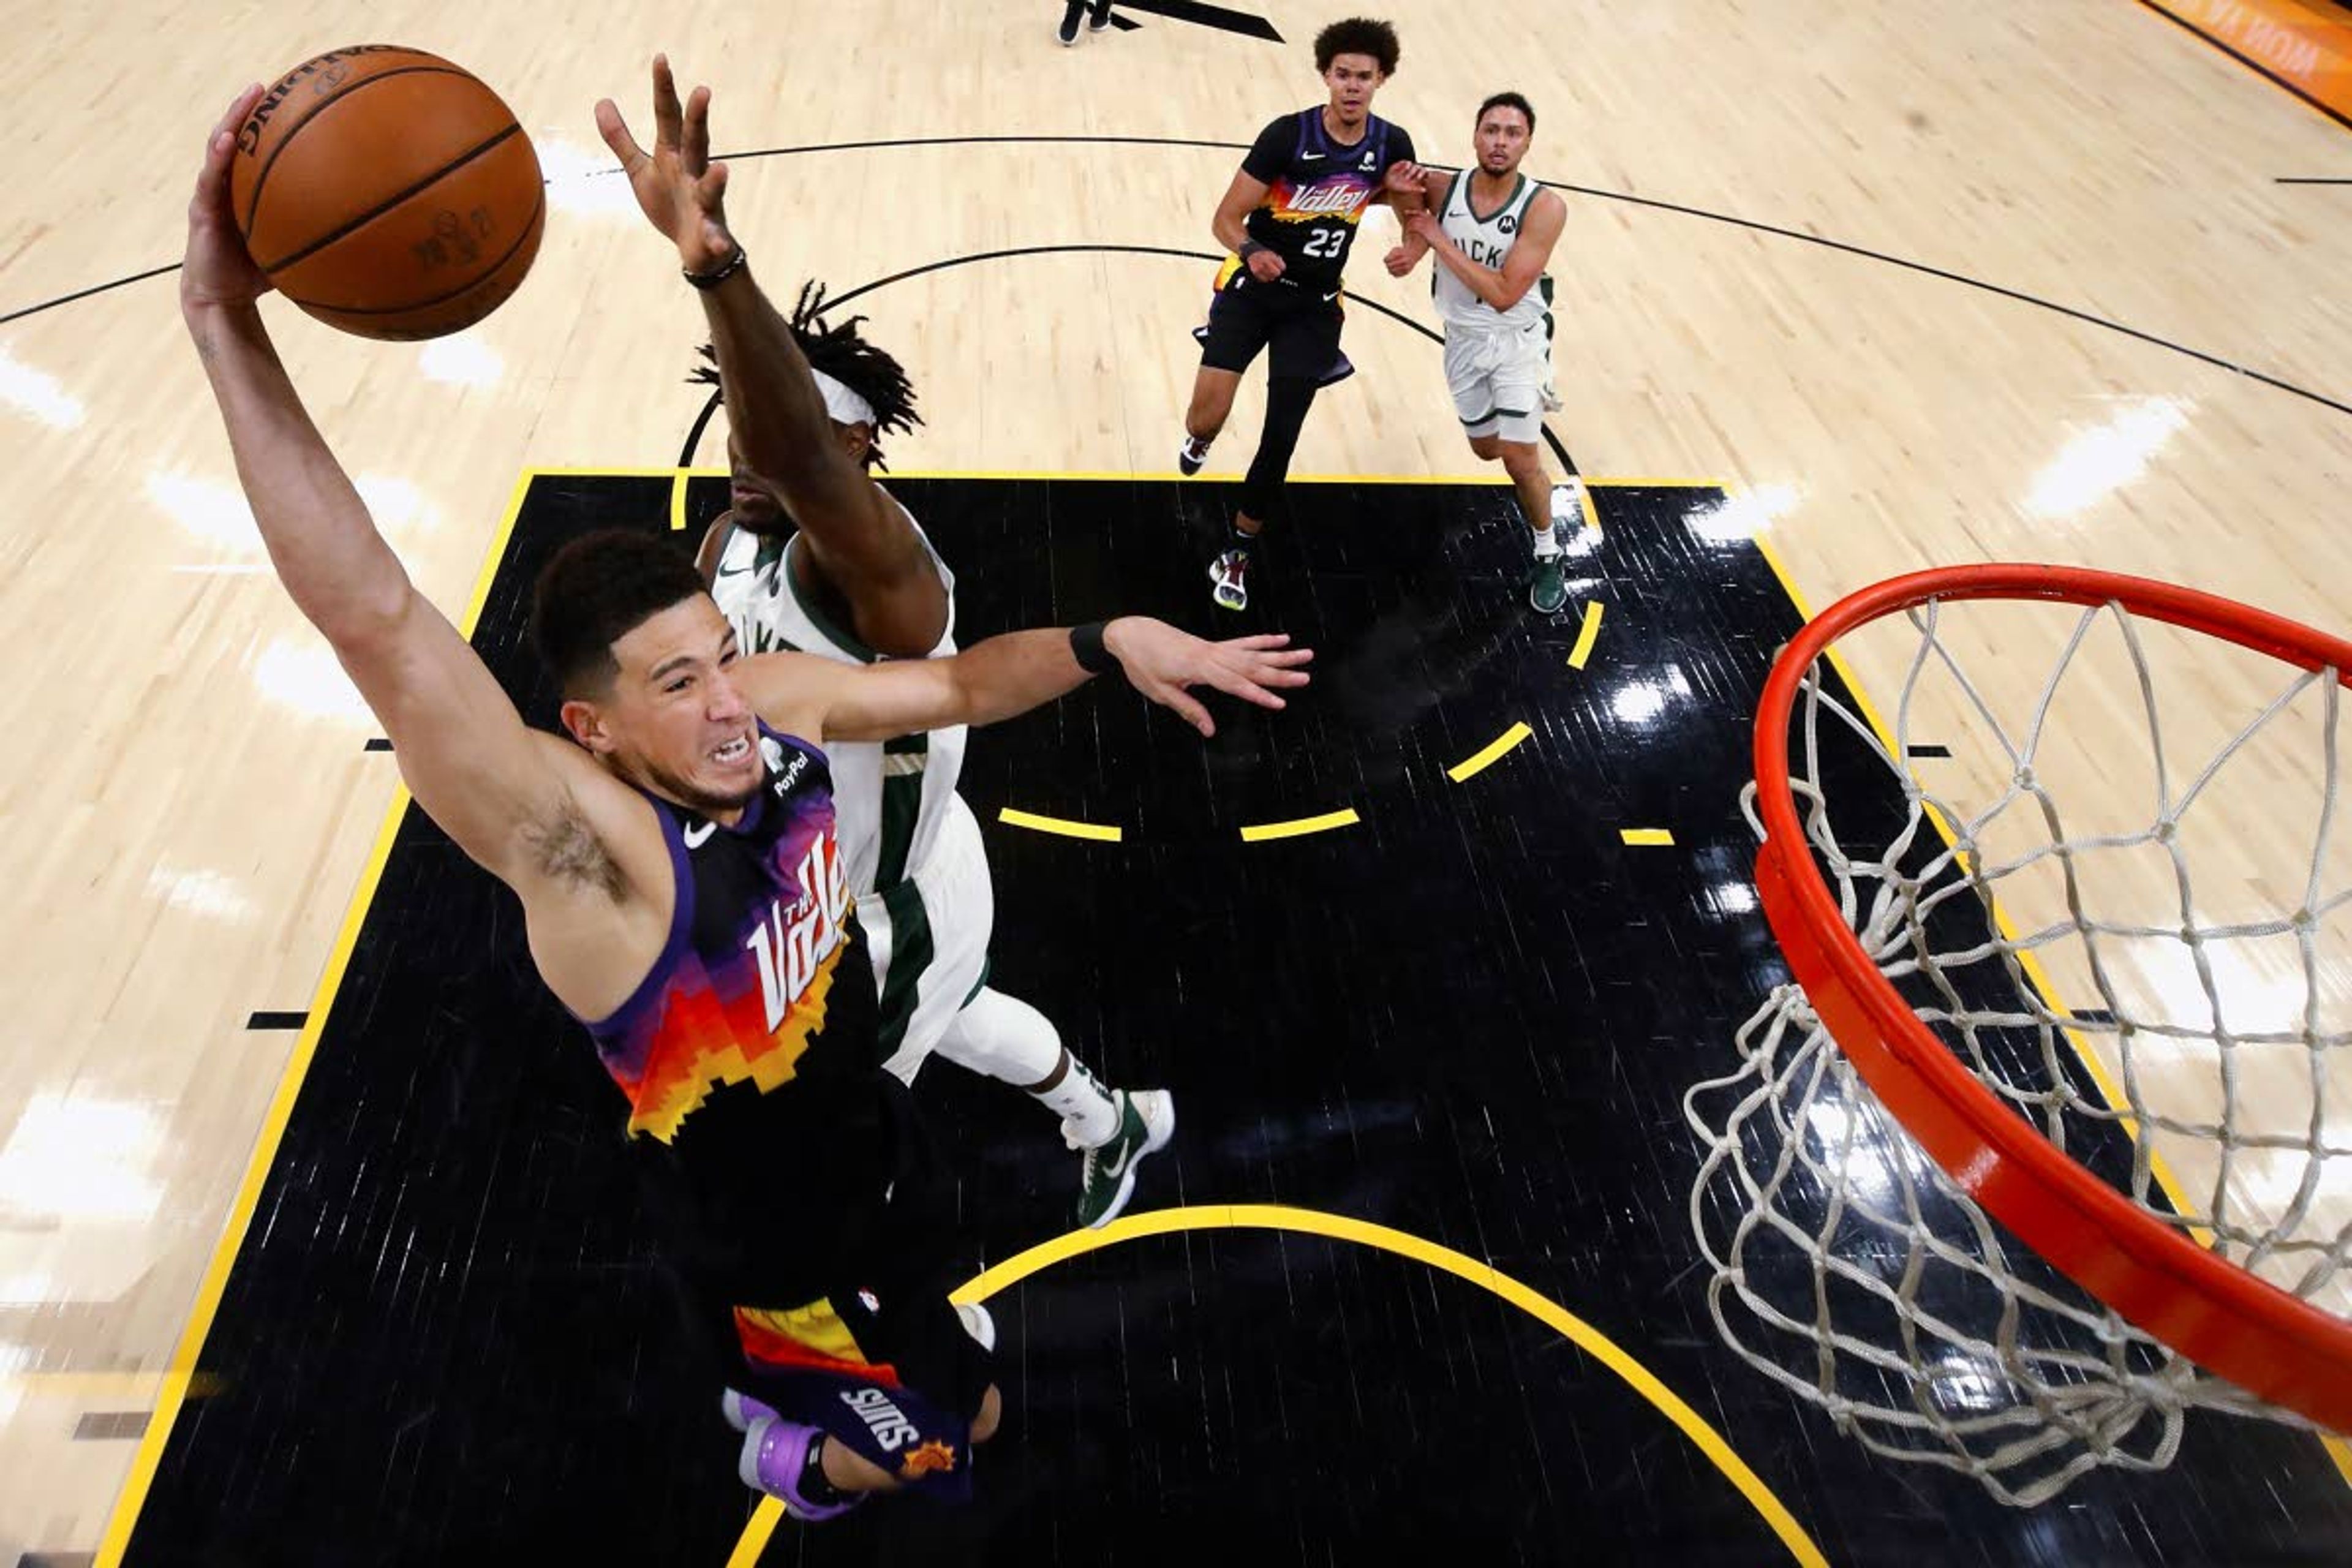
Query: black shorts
[
  {"x": 895, "y": 1377},
  {"x": 839, "y": 1305},
  {"x": 1299, "y": 326}
]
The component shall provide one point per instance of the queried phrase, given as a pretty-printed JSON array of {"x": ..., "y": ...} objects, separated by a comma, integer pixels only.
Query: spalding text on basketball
[{"x": 334, "y": 61}]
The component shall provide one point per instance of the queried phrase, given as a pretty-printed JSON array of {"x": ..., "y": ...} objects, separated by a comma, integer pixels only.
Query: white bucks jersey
[
  {"x": 888, "y": 799},
  {"x": 1488, "y": 241}
]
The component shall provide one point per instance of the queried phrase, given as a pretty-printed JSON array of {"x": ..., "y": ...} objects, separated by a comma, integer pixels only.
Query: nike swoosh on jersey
[
  {"x": 734, "y": 570},
  {"x": 699, "y": 835}
]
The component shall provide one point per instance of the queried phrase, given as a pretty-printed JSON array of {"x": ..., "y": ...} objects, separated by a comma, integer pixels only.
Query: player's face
[
  {"x": 675, "y": 718},
  {"x": 752, "y": 504},
  {"x": 1502, "y": 140},
  {"x": 1353, "y": 79}
]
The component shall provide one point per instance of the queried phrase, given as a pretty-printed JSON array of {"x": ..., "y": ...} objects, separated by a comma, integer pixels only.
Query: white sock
[
  {"x": 1005, "y": 1039},
  {"x": 1546, "y": 543},
  {"x": 1089, "y": 1115}
]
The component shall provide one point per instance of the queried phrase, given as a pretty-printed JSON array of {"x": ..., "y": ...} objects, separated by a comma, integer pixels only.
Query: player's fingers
[
  {"x": 1179, "y": 702},
  {"x": 666, "y": 110},
  {"x": 1257, "y": 641},
  {"x": 1241, "y": 683},
  {"x": 616, "y": 132},
  {"x": 1172, "y": 696},
  {"x": 696, "y": 148},
  {"x": 222, "y": 143},
  {"x": 239, "y": 108},
  {"x": 711, "y": 186}
]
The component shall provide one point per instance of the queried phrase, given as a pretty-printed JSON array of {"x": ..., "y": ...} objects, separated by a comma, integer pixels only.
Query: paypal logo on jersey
[{"x": 787, "y": 775}]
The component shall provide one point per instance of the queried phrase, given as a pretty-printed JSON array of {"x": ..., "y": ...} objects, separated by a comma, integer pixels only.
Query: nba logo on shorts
[{"x": 865, "y": 1299}]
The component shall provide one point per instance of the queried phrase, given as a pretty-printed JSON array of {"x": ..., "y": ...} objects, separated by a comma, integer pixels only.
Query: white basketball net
[{"x": 1847, "y": 1266}]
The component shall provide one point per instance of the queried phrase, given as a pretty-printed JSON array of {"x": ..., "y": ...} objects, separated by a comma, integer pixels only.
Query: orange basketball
[{"x": 388, "y": 193}]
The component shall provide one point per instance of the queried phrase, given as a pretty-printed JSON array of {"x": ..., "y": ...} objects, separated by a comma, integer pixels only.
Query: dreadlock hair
[
  {"x": 1357, "y": 36},
  {"x": 596, "y": 591},
  {"x": 844, "y": 354}
]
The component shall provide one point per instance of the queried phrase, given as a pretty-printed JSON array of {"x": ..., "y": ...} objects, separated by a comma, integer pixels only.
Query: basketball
[{"x": 388, "y": 193}]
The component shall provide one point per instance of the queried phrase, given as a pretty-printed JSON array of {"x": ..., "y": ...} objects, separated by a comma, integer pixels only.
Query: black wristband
[
  {"x": 727, "y": 270},
  {"x": 1086, "y": 647},
  {"x": 1251, "y": 247}
]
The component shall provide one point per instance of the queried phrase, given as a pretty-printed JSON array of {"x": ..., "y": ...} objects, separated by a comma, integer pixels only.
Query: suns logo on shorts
[
  {"x": 888, "y": 1424},
  {"x": 932, "y": 1458}
]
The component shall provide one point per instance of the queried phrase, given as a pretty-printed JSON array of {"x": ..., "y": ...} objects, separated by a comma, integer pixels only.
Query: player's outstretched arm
[
  {"x": 1009, "y": 675},
  {"x": 861, "y": 541},
  {"x": 491, "y": 783}
]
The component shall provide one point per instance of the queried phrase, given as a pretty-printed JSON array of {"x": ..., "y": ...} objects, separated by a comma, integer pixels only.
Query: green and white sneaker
[
  {"x": 1547, "y": 585},
  {"x": 1147, "y": 1119}
]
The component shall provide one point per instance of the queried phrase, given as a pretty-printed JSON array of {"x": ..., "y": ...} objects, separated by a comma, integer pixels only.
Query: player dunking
[
  {"x": 1492, "y": 230},
  {"x": 1289, "y": 219},
  {"x": 821, "y": 559},
  {"x": 682, "y": 885}
]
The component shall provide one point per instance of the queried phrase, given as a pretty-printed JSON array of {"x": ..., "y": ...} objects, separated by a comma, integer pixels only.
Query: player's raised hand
[
  {"x": 680, "y": 190},
  {"x": 218, "y": 269},
  {"x": 1163, "y": 663}
]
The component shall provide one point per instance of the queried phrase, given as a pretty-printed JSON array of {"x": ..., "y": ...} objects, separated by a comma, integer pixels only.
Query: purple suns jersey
[
  {"x": 1317, "y": 190},
  {"x": 751, "y": 1050}
]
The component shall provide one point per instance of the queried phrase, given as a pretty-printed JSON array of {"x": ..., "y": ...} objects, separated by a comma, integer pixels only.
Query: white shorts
[
  {"x": 929, "y": 936},
  {"x": 1497, "y": 381}
]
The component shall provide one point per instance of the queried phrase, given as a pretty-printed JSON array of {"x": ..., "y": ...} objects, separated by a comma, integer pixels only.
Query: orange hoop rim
[{"x": 2229, "y": 1322}]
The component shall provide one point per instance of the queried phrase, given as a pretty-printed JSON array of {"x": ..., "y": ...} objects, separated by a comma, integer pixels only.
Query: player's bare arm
[
  {"x": 534, "y": 812},
  {"x": 1009, "y": 675},
  {"x": 1406, "y": 255},
  {"x": 1230, "y": 224},
  {"x": 857, "y": 538},
  {"x": 1506, "y": 285}
]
